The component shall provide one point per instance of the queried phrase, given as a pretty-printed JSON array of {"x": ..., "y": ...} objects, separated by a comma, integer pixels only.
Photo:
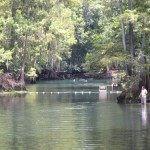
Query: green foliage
[
  {"x": 55, "y": 35},
  {"x": 31, "y": 74},
  {"x": 5, "y": 55},
  {"x": 107, "y": 49}
]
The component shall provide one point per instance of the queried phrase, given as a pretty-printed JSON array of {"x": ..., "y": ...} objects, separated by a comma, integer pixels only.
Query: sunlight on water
[{"x": 69, "y": 121}]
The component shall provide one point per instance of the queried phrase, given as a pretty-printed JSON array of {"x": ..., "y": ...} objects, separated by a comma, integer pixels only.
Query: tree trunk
[
  {"x": 131, "y": 41},
  {"x": 123, "y": 35},
  {"x": 122, "y": 27},
  {"x": 143, "y": 35},
  {"x": 148, "y": 83},
  {"x": 131, "y": 45},
  {"x": 13, "y": 8},
  {"x": 107, "y": 68},
  {"x": 13, "y": 11},
  {"x": 147, "y": 76},
  {"x": 22, "y": 82},
  {"x": 52, "y": 74}
]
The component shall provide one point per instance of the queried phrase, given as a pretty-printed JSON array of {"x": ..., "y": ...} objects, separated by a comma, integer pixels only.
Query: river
[{"x": 72, "y": 115}]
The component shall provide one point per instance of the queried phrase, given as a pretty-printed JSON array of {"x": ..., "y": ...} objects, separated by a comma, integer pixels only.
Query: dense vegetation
[{"x": 90, "y": 35}]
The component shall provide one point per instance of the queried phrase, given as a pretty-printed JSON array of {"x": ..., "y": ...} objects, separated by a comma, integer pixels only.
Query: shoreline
[{"x": 4, "y": 93}]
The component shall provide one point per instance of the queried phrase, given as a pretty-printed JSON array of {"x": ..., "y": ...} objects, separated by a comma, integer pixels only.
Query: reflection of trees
[
  {"x": 38, "y": 126},
  {"x": 8, "y": 107},
  {"x": 111, "y": 127},
  {"x": 134, "y": 130},
  {"x": 103, "y": 96},
  {"x": 53, "y": 125},
  {"x": 104, "y": 125},
  {"x": 85, "y": 97},
  {"x": 6, "y": 102},
  {"x": 144, "y": 131},
  {"x": 69, "y": 121}
]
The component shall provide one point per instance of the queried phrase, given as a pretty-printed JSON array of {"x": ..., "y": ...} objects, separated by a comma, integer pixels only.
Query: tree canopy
[{"x": 92, "y": 35}]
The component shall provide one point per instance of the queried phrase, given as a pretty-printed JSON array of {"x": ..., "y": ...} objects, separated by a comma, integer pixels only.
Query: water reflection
[
  {"x": 88, "y": 121},
  {"x": 144, "y": 115},
  {"x": 8, "y": 101},
  {"x": 103, "y": 96}
]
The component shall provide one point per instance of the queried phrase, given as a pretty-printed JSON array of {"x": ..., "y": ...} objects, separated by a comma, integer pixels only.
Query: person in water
[
  {"x": 143, "y": 95},
  {"x": 114, "y": 85}
]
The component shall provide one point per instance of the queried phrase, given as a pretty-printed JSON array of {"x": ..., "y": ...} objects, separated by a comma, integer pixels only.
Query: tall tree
[
  {"x": 123, "y": 34},
  {"x": 131, "y": 45}
]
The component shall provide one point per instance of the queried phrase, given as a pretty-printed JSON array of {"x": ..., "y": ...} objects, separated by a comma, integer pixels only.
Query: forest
[{"x": 92, "y": 36}]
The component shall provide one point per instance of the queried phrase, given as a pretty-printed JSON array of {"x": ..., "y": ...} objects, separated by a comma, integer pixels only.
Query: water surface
[{"x": 72, "y": 121}]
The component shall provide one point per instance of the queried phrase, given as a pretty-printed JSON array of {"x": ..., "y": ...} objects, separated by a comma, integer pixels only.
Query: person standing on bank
[{"x": 143, "y": 95}]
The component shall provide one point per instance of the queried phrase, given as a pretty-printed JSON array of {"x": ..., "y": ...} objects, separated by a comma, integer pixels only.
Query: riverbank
[
  {"x": 62, "y": 75},
  {"x": 130, "y": 96},
  {"x": 10, "y": 82},
  {"x": 12, "y": 93}
]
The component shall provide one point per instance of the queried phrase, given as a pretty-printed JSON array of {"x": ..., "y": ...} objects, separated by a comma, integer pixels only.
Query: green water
[{"x": 81, "y": 121}]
